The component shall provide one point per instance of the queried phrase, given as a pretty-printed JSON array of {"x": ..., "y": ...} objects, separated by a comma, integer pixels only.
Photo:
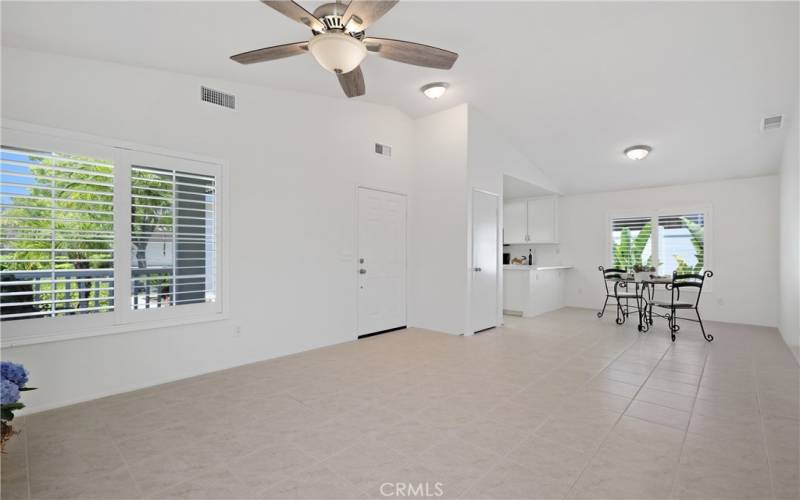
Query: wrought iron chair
[
  {"x": 675, "y": 304},
  {"x": 620, "y": 292}
]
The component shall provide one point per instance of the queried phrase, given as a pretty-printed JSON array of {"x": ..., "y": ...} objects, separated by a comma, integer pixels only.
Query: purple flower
[
  {"x": 9, "y": 392},
  {"x": 14, "y": 372}
]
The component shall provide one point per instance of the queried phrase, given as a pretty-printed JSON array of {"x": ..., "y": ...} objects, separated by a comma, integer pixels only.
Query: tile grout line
[
  {"x": 619, "y": 418},
  {"x": 532, "y": 433},
  {"x": 125, "y": 462},
  {"x": 686, "y": 433},
  {"x": 764, "y": 436},
  {"x": 504, "y": 456},
  {"x": 28, "y": 459}
]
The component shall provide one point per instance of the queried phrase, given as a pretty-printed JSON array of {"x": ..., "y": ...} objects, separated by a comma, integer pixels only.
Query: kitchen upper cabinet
[
  {"x": 530, "y": 221},
  {"x": 515, "y": 221},
  {"x": 542, "y": 220}
]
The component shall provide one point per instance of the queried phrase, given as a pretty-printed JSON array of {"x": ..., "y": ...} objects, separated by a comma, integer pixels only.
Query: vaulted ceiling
[{"x": 570, "y": 83}]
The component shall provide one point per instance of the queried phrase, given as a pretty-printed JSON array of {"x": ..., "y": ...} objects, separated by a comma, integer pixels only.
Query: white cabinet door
[
  {"x": 542, "y": 220},
  {"x": 516, "y": 284},
  {"x": 515, "y": 224}
]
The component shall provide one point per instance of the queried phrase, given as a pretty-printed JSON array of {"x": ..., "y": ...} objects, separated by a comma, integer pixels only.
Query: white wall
[
  {"x": 437, "y": 298},
  {"x": 744, "y": 243},
  {"x": 491, "y": 155},
  {"x": 789, "y": 320},
  {"x": 294, "y": 161}
]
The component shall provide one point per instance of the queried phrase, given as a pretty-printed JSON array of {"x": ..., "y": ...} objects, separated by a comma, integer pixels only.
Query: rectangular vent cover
[
  {"x": 772, "y": 122},
  {"x": 383, "y": 149},
  {"x": 218, "y": 97}
]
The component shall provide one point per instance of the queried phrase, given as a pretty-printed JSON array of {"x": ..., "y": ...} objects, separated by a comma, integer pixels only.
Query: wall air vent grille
[
  {"x": 383, "y": 149},
  {"x": 218, "y": 97},
  {"x": 772, "y": 122}
]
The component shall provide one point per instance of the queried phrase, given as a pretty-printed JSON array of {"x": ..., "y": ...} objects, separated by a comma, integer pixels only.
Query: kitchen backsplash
[{"x": 544, "y": 255}]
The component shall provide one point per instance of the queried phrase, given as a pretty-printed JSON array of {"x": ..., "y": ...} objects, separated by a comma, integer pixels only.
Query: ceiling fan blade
[
  {"x": 362, "y": 13},
  {"x": 271, "y": 53},
  {"x": 292, "y": 10},
  {"x": 352, "y": 83},
  {"x": 411, "y": 53}
]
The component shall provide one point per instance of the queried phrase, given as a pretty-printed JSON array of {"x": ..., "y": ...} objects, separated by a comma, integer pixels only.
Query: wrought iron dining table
[{"x": 644, "y": 288}]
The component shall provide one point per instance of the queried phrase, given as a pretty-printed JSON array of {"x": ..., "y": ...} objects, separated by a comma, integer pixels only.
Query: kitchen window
[
  {"x": 668, "y": 240},
  {"x": 95, "y": 238}
]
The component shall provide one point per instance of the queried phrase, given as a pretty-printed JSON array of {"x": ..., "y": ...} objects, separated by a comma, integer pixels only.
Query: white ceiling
[
  {"x": 517, "y": 188},
  {"x": 571, "y": 84}
]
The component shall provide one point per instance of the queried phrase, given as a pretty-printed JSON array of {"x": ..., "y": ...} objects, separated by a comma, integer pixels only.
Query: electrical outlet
[{"x": 237, "y": 331}]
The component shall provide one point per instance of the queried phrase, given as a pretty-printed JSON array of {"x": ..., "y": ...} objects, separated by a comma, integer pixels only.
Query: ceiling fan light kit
[
  {"x": 337, "y": 52},
  {"x": 339, "y": 43}
]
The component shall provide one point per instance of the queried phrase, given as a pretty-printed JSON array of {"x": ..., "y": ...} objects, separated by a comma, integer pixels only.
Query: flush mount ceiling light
[
  {"x": 639, "y": 152},
  {"x": 434, "y": 90},
  {"x": 337, "y": 52}
]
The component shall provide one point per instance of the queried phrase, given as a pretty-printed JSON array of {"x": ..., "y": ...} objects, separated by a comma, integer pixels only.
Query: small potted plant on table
[{"x": 642, "y": 272}]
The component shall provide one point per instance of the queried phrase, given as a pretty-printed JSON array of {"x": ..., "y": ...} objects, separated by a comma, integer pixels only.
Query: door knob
[
  {"x": 362, "y": 271},
  {"x": 477, "y": 269}
]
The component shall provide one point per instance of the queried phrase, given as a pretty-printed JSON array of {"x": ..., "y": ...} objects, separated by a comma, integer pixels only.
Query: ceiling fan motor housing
[{"x": 330, "y": 15}]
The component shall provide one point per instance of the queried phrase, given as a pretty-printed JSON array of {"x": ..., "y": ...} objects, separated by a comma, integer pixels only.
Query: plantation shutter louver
[
  {"x": 631, "y": 242},
  {"x": 56, "y": 234},
  {"x": 173, "y": 245}
]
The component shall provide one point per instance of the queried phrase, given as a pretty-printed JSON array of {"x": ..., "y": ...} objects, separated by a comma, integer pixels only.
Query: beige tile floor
[{"x": 560, "y": 406}]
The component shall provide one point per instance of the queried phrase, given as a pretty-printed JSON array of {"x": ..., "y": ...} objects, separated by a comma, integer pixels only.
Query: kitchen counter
[
  {"x": 523, "y": 267},
  {"x": 537, "y": 291}
]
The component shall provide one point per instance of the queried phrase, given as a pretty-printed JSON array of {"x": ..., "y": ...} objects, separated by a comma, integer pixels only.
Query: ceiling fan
[{"x": 339, "y": 43}]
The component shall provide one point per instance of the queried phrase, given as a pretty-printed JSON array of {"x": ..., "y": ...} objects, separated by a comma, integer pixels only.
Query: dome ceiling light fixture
[
  {"x": 435, "y": 90},
  {"x": 638, "y": 152},
  {"x": 339, "y": 42}
]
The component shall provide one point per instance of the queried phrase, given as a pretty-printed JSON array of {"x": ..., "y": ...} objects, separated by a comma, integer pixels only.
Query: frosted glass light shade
[
  {"x": 638, "y": 152},
  {"x": 434, "y": 90},
  {"x": 337, "y": 52}
]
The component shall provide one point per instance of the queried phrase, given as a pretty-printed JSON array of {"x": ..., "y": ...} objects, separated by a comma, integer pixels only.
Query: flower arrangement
[{"x": 13, "y": 378}]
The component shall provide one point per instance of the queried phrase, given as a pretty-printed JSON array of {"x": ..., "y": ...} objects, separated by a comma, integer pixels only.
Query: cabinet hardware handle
[
  {"x": 362, "y": 271},
  {"x": 477, "y": 269}
]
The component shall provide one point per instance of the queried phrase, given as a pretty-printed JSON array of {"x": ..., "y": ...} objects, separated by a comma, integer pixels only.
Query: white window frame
[
  {"x": 706, "y": 210},
  {"x": 122, "y": 318}
]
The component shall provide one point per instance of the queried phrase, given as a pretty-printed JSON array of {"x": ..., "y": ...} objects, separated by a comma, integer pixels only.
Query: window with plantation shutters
[
  {"x": 667, "y": 240},
  {"x": 99, "y": 238},
  {"x": 631, "y": 242},
  {"x": 681, "y": 240},
  {"x": 173, "y": 245},
  {"x": 56, "y": 234}
]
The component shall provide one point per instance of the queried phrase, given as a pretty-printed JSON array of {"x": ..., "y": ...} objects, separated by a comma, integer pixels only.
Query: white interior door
[
  {"x": 381, "y": 261},
  {"x": 484, "y": 260}
]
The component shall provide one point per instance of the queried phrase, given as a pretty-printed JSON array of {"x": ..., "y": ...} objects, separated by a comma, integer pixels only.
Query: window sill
[{"x": 111, "y": 330}]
